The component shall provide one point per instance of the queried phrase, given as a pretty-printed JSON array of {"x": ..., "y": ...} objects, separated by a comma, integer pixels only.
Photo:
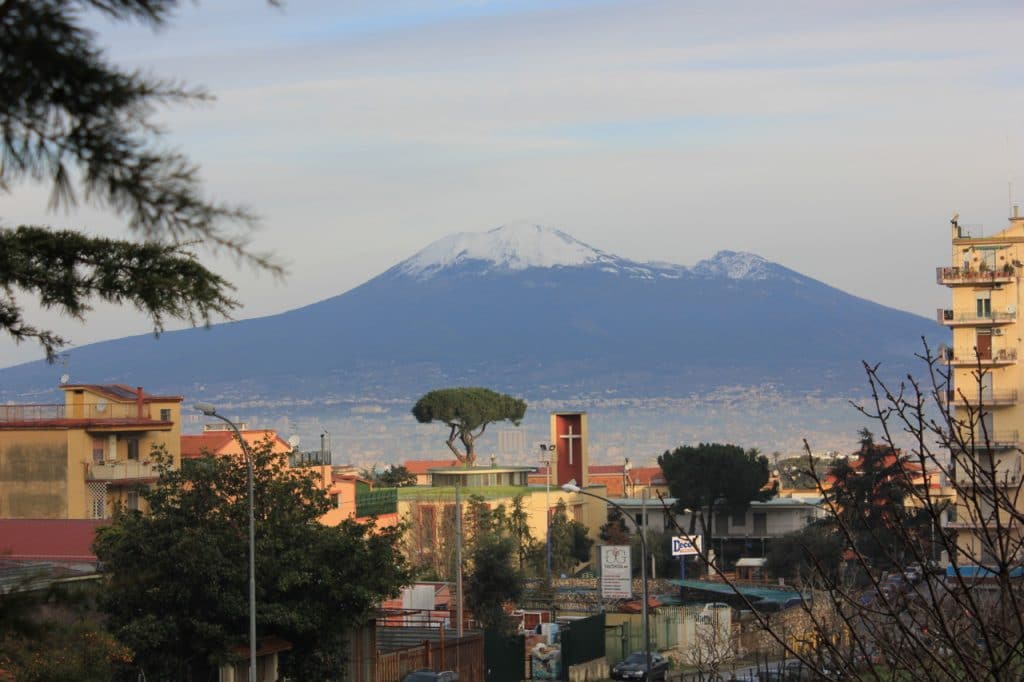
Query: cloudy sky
[{"x": 835, "y": 138}]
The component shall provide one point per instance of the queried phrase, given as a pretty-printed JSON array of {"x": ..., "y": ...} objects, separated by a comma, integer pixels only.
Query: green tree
[
  {"x": 713, "y": 476},
  {"x": 467, "y": 411},
  {"x": 494, "y": 581},
  {"x": 395, "y": 476},
  {"x": 176, "y": 579},
  {"x": 615, "y": 531},
  {"x": 870, "y": 490},
  {"x": 570, "y": 545},
  {"x": 75, "y": 121},
  {"x": 815, "y": 550}
]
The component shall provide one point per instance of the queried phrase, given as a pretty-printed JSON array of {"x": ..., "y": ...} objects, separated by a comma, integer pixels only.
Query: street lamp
[
  {"x": 571, "y": 487},
  {"x": 211, "y": 411}
]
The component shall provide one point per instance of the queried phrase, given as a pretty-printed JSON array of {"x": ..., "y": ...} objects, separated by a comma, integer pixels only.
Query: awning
[{"x": 751, "y": 562}]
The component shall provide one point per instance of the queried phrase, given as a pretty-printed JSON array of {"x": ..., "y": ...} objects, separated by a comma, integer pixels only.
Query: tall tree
[
  {"x": 176, "y": 578},
  {"x": 467, "y": 411},
  {"x": 570, "y": 544},
  {"x": 71, "y": 119},
  {"x": 713, "y": 476},
  {"x": 494, "y": 581},
  {"x": 869, "y": 490}
]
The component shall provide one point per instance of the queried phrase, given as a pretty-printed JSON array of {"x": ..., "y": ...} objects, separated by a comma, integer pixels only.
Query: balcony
[
  {"x": 93, "y": 416},
  {"x": 969, "y": 357},
  {"x": 997, "y": 440},
  {"x": 961, "y": 277},
  {"x": 987, "y": 398},
  {"x": 1004, "y": 478},
  {"x": 125, "y": 471},
  {"x": 952, "y": 318}
]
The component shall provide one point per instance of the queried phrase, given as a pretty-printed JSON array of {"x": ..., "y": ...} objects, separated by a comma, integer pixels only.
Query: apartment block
[
  {"x": 985, "y": 281},
  {"x": 79, "y": 459}
]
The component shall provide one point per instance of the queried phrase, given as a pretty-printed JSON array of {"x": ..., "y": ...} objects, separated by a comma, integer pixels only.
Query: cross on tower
[{"x": 570, "y": 437}]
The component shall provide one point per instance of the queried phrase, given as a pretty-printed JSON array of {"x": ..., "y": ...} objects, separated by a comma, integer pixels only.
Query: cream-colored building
[
  {"x": 79, "y": 459},
  {"x": 985, "y": 280}
]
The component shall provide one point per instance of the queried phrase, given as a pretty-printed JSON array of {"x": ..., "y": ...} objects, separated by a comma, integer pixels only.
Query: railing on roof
[
  {"x": 377, "y": 502},
  {"x": 965, "y": 276},
  {"x": 310, "y": 459},
  {"x": 23, "y": 413}
]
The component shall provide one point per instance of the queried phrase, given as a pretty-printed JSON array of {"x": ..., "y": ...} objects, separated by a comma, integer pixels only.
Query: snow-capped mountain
[
  {"x": 514, "y": 246},
  {"x": 527, "y": 309},
  {"x": 522, "y": 245}
]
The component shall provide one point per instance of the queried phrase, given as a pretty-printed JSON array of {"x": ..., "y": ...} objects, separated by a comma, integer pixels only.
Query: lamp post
[
  {"x": 211, "y": 411},
  {"x": 571, "y": 487}
]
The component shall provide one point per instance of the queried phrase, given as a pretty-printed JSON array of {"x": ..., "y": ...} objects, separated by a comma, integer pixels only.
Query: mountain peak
[
  {"x": 734, "y": 265},
  {"x": 513, "y": 246}
]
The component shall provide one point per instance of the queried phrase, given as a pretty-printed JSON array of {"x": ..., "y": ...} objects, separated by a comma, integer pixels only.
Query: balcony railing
[
  {"x": 954, "y": 276},
  {"x": 995, "y": 439},
  {"x": 987, "y": 398},
  {"x": 969, "y": 356},
  {"x": 952, "y": 318},
  {"x": 94, "y": 411},
  {"x": 122, "y": 470}
]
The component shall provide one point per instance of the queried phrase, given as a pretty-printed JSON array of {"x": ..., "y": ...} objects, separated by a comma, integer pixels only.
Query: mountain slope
[{"x": 527, "y": 309}]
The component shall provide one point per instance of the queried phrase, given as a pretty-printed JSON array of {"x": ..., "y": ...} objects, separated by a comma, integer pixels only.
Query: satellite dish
[
  {"x": 293, "y": 441},
  {"x": 64, "y": 378}
]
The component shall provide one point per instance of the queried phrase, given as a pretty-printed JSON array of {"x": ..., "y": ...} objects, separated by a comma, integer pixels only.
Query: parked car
[
  {"x": 712, "y": 612},
  {"x": 428, "y": 675},
  {"x": 633, "y": 668}
]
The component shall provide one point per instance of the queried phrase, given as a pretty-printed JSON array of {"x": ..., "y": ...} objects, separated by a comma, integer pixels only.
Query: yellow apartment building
[
  {"x": 985, "y": 280},
  {"x": 79, "y": 459},
  {"x": 430, "y": 510}
]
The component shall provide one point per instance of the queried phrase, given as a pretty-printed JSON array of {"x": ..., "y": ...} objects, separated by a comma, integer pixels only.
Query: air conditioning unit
[
  {"x": 1011, "y": 309},
  {"x": 997, "y": 332}
]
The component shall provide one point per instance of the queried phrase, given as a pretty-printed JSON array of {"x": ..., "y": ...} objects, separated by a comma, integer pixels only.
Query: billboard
[
  {"x": 616, "y": 572},
  {"x": 685, "y": 546}
]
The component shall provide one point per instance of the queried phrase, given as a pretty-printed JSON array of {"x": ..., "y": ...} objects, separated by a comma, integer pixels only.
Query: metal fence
[{"x": 377, "y": 502}]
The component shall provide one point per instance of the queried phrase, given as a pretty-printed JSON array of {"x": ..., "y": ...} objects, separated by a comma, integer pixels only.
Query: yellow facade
[
  {"x": 427, "y": 508},
  {"x": 985, "y": 281},
  {"x": 79, "y": 459}
]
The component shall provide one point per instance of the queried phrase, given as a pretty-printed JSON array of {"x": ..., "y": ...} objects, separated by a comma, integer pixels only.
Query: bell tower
[{"x": 569, "y": 434}]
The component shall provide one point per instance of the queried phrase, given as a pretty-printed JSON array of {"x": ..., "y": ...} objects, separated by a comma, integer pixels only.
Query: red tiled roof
[
  {"x": 647, "y": 476},
  {"x": 122, "y": 392},
  {"x": 419, "y": 467},
  {"x": 605, "y": 469},
  {"x": 192, "y": 446},
  {"x": 49, "y": 539}
]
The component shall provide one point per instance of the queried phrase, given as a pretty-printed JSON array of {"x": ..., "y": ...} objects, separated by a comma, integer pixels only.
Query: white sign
[
  {"x": 616, "y": 572},
  {"x": 685, "y": 546}
]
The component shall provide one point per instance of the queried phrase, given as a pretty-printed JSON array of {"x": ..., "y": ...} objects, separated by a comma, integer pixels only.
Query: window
[
  {"x": 97, "y": 451},
  {"x": 97, "y": 500},
  {"x": 721, "y": 522},
  {"x": 335, "y": 500},
  {"x": 133, "y": 448},
  {"x": 760, "y": 523},
  {"x": 165, "y": 415},
  {"x": 577, "y": 513},
  {"x": 984, "y": 304},
  {"x": 739, "y": 519},
  {"x": 133, "y": 500}
]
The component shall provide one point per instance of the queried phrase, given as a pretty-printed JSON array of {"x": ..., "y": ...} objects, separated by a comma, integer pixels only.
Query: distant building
[{"x": 78, "y": 459}]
